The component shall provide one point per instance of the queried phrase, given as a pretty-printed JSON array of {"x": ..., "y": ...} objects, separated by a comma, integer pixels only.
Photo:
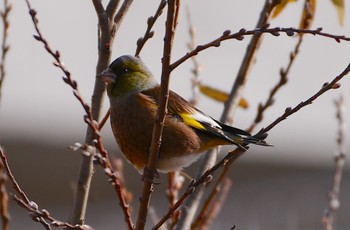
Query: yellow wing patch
[{"x": 190, "y": 121}]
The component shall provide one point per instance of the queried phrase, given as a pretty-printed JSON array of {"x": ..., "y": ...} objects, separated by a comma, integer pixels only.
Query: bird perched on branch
[{"x": 134, "y": 96}]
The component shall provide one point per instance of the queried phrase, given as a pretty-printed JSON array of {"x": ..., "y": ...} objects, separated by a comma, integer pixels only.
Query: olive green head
[{"x": 127, "y": 75}]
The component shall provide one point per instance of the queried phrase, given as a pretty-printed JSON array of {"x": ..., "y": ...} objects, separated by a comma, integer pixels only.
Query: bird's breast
[{"x": 132, "y": 121}]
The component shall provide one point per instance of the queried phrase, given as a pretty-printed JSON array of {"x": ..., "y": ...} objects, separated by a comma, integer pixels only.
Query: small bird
[{"x": 134, "y": 96}]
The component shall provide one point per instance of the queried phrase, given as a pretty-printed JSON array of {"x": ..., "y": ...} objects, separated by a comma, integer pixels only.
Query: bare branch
[
  {"x": 98, "y": 7},
  {"x": 283, "y": 80},
  {"x": 175, "y": 184},
  {"x": 4, "y": 198},
  {"x": 150, "y": 23},
  {"x": 38, "y": 216},
  {"x": 93, "y": 125},
  {"x": 4, "y": 46},
  {"x": 276, "y": 31},
  {"x": 104, "y": 119},
  {"x": 289, "y": 111},
  {"x": 306, "y": 22},
  {"x": 120, "y": 15},
  {"x": 192, "y": 203},
  {"x": 196, "y": 66},
  {"x": 235, "y": 154},
  {"x": 334, "y": 203},
  {"x": 111, "y": 8},
  {"x": 217, "y": 206},
  {"x": 150, "y": 171}
]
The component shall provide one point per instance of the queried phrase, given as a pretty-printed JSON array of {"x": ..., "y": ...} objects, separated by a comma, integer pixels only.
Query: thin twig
[
  {"x": 262, "y": 107},
  {"x": 175, "y": 184},
  {"x": 339, "y": 158},
  {"x": 109, "y": 23},
  {"x": 217, "y": 206},
  {"x": 4, "y": 199},
  {"x": 119, "y": 17},
  {"x": 150, "y": 171},
  {"x": 37, "y": 215},
  {"x": 211, "y": 197},
  {"x": 196, "y": 66},
  {"x": 104, "y": 162},
  {"x": 235, "y": 154},
  {"x": 192, "y": 204},
  {"x": 306, "y": 22},
  {"x": 276, "y": 31},
  {"x": 42, "y": 216},
  {"x": 111, "y": 8},
  {"x": 104, "y": 119},
  {"x": 289, "y": 111},
  {"x": 150, "y": 23},
  {"x": 4, "y": 212},
  {"x": 4, "y": 45}
]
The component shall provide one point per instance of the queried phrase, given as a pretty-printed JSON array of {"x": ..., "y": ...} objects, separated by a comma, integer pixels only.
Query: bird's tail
[
  {"x": 242, "y": 138},
  {"x": 254, "y": 140}
]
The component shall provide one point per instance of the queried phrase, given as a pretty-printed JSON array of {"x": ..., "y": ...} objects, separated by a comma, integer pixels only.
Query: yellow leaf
[
  {"x": 219, "y": 95},
  {"x": 243, "y": 103},
  {"x": 308, "y": 14},
  {"x": 280, "y": 7},
  {"x": 339, "y": 6}
]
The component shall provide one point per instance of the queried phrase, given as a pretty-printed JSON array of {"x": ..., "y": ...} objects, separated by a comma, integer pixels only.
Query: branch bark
[
  {"x": 333, "y": 196},
  {"x": 191, "y": 205},
  {"x": 107, "y": 30},
  {"x": 150, "y": 171}
]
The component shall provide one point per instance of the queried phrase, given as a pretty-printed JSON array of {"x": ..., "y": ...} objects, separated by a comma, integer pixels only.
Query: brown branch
[
  {"x": 262, "y": 107},
  {"x": 150, "y": 171},
  {"x": 175, "y": 184},
  {"x": 196, "y": 66},
  {"x": 334, "y": 203},
  {"x": 98, "y": 7},
  {"x": 289, "y": 111},
  {"x": 276, "y": 31},
  {"x": 111, "y": 8},
  {"x": 306, "y": 22},
  {"x": 4, "y": 199},
  {"x": 109, "y": 22},
  {"x": 150, "y": 23},
  {"x": 234, "y": 155},
  {"x": 4, "y": 46},
  {"x": 119, "y": 17},
  {"x": 104, "y": 119},
  {"x": 4, "y": 212},
  {"x": 205, "y": 178},
  {"x": 217, "y": 206},
  {"x": 39, "y": 216},
  {"x": 93, "y": 125},
  {"x": 211, "y": 197},
  {"x": 192, "y": 203}
]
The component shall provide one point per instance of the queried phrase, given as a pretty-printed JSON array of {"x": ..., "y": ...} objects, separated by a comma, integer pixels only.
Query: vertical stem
[
  {"x": 191, "y": 205},
  {"x": 107, "y": 29},
  {"x": 151, "y": 171}
]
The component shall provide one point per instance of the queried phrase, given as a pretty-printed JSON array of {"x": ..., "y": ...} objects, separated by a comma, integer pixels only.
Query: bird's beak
[{"x": 107, "y": 76}]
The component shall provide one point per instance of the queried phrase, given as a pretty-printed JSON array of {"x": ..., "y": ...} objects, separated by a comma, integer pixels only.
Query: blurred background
[{"x": 283, "y": 187}]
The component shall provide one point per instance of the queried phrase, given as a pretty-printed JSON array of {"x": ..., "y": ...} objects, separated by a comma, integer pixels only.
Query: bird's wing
[{"x": 181, "y": 109}]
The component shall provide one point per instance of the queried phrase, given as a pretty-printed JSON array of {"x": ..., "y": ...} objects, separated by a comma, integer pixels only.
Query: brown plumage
[{"x": 187, "y": 132}]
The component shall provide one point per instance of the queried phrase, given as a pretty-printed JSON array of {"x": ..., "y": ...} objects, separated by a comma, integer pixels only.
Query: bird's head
[{"x": 127, "y": 75}]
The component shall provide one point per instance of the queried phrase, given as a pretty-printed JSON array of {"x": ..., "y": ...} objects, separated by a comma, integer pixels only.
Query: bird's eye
[{"x": 123, "y": 71}]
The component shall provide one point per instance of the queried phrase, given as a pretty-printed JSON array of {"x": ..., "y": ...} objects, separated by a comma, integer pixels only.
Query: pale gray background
[{"x": 280, "y": 187}]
